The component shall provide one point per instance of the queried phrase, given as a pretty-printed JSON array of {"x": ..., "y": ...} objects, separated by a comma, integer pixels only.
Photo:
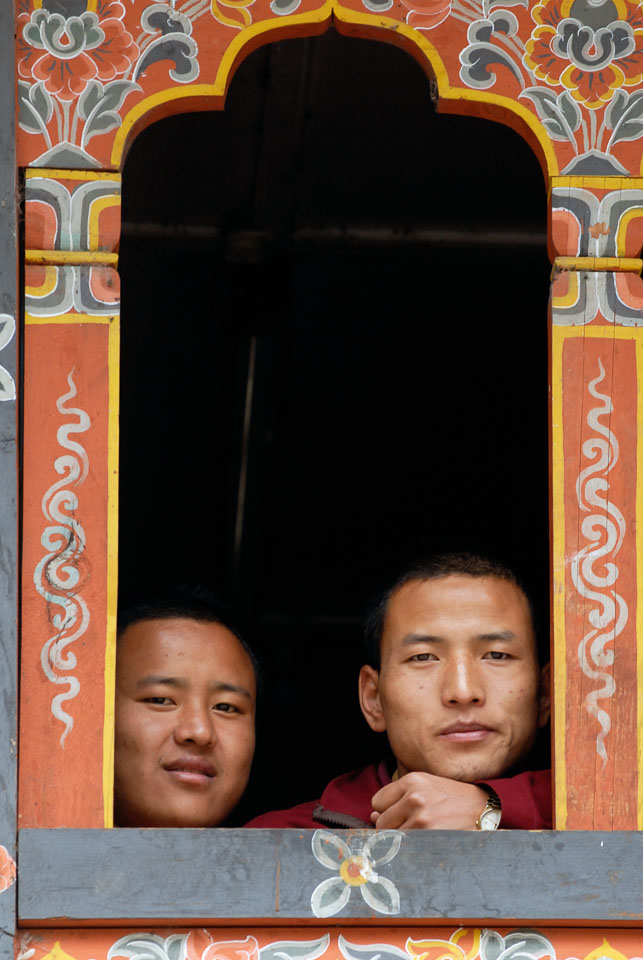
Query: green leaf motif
[
  {"x": 35, "y": 107},
  {"x": 491, "y": 945},
  {"x": 629, "y": 125},
  {"x": 548, "y": 112},
  {"x": 103, "y": 115},
  {"x": 570, "y": 110},
  {"x": 89, "y": 98},
  {"x": 295, "y": 950}
]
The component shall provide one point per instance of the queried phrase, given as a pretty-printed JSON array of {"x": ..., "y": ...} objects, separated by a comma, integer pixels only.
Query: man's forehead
[
  {"x": 147, "y": 644},
  {"x": 454, "y": 598}
]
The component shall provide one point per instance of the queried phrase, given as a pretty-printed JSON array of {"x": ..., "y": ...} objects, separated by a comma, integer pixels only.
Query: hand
[{"x": 423, "y": 801}]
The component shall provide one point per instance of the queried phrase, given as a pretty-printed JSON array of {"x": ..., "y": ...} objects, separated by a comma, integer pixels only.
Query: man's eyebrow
[
  {"x": 152, "y": 679},
  {"x": 420, "y": 638},
  {"x": 492, "y": 636},
  {"x": 218, "y": 687},
  {"x": 231, "y": 688}
]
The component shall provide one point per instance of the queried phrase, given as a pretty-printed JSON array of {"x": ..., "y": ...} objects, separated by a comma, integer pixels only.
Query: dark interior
[{"x": 334, "y": 361}]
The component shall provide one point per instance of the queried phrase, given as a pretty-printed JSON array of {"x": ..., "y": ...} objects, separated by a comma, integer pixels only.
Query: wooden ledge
[{"x": 158, "y": 877}]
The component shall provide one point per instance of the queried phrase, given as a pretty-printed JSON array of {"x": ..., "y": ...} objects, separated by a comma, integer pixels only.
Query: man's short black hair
[
  {"x": 434, "y": 568},
  {"x": 185, "y": 602}
]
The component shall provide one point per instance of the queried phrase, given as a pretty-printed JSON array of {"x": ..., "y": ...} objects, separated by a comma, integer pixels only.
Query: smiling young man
[
  {"x": 185, "y": 713},
  {"x": 454, "y": 680}
]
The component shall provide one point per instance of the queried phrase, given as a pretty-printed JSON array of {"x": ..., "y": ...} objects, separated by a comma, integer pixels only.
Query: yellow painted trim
[
  {"x": 558, "y": 577},
  {"x": 634, "y": 214},
  {"x": 602, "y": 331},
  {"x": 570, "y": 297},
  {"x": 63, "y": 257},
  {"x": 599, "y": 183},
  {"x": 154, "y": 100},
  {"x": 375, "y": 21},
  {"x": 559, "y": 335},
  {"x": 96, "y": 208},
  {"x": 112, "y": 570},
  {"x": 218, "y": 88},
  {"x": 598, "y": 264},
  {"x": 639, "y": 579},
  {"x": 51, "y": 280},
  {"x": 445, "y": 90},
  {"x": 56, "y": 174},
  {"x": 66, "y": 318}
]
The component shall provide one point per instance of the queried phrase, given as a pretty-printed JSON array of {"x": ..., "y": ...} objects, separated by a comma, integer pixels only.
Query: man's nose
[
  {"x": 462, "y": 682},
  {"x": 195, "y": 725}
]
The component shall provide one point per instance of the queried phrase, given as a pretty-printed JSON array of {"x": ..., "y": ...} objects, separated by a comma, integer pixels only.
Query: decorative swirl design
[
  {"x": 605, "y": 531},
  {"x": 57, "y": 576},
  {"x": 242, "y": 16}
]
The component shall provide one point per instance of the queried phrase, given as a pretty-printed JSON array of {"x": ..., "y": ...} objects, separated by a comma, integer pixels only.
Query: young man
[
  {"x": 185, "y": 713},
  {"x": 454, "y": 680}
]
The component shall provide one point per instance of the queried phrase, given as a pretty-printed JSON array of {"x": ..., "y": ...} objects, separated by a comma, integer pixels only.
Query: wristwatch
[{"x": 489, "y": 818}]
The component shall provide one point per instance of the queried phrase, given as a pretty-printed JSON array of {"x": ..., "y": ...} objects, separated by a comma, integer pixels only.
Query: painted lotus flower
[
  {"x": 592, "y": 49},
  {"x": 68, "y": 50},
  {"x": 355, "y": 870},
  {"x": 7, "y": 869}
]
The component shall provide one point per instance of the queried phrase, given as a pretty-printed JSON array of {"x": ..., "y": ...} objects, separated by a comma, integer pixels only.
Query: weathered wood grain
[
  {"x": 8, "y": 481},
  {"x": 160, "y": 876}
]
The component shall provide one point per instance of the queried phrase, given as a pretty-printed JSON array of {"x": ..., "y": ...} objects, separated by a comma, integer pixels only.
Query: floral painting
[{"x": 575, "y": 66}]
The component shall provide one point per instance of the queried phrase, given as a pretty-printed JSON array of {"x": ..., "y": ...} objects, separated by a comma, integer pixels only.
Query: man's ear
[
  {"x": 369, "y": 698},
  {"x": 544, "y": 697}
]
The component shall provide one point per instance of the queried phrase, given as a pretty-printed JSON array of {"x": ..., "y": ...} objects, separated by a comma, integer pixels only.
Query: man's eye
[
  {"x": 422, "y": 657},
  {"x": 497, "y": 655},
  {"x": 158, "y": 701},
  {"x": 226, "y": 708}
]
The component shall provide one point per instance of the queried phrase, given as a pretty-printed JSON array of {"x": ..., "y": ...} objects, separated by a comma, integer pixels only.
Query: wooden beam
[
  {"x": 8, "y": 483},
  {"x": 159, "y": 876}
]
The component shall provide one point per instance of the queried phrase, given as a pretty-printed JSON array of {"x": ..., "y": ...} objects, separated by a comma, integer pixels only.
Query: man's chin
[{"x": 472, "y": 771}]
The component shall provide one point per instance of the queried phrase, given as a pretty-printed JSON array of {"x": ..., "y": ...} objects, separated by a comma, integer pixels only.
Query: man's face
[
  {"x": 459, "y": 691},
  {"x": 185, "y": 714}
]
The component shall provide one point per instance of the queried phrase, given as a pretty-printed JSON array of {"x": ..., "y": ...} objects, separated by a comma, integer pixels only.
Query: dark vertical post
[{"x": 8, "y": 481}]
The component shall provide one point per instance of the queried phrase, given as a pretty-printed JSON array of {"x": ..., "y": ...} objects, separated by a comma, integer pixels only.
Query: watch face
[{"x": 490, "y": 819}]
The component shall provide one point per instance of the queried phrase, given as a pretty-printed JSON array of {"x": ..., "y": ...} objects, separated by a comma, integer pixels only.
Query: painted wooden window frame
[{"x": 125, "y": 877}]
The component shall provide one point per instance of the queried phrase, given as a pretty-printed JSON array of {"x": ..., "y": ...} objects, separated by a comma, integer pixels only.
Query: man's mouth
[
  {"x": 465, "y": 732},
  {"x": 191, "y": 770}
]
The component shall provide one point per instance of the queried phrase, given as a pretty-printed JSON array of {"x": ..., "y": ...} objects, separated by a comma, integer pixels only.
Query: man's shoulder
[
  {"x": 298, "y": 817},
  {"x": 525, "y": 799},
  {"x": 345, "y": 803}
]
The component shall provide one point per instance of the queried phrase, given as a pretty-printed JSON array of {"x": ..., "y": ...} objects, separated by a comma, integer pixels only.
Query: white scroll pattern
[
  {"x": 57, "y": 576},
  {"x": 593, "y": 576}
]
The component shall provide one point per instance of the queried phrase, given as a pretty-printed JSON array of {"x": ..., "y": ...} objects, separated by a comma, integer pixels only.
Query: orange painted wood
[
  {"x": 64, "y": 581},
  {"x": 330, "y": 943},
  {"x": 600, "y": 390},
  {"x": 80, "y": 111}
]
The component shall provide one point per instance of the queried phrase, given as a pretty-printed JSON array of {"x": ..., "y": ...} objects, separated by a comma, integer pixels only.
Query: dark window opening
[{"x": 334, "y": 361}]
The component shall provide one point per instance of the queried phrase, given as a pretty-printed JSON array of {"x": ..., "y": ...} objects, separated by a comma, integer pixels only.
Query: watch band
[{"x": 490, "y": 815}]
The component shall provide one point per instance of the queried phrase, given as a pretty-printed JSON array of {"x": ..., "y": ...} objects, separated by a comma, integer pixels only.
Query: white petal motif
[
  {"x": 382, "y": 846},
  {"x": 382, "y": 896},
  {"x": 330, "y": 850},
  {"x": 7, "y": 329},
  {"x": 7, "y": 385},
  {"x": 330, "y": 896}
]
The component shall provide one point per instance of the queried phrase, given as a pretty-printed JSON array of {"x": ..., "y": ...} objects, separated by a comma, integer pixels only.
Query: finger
[
  {"x": 392, "y": 818},
  {"x": 387, "y": 796}
]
